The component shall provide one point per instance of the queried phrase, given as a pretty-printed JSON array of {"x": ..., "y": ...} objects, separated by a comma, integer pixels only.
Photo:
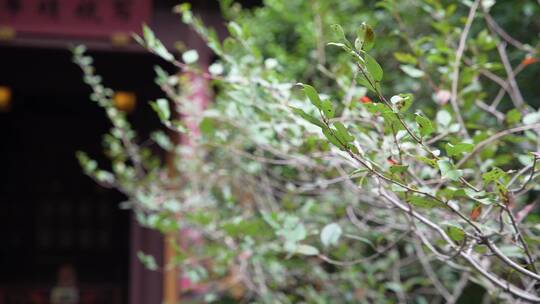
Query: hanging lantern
[
  {"x": 125, "y": 101},
  {"x": 5, "y": 98},
  {"x": 120, "y": 39}
]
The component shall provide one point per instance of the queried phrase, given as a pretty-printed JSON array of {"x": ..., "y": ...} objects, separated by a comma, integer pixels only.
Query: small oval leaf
[
  {"x": 330, "y": 234},
  {"x": 306, "y": 250},
  {"x": 373, "y": 67}
]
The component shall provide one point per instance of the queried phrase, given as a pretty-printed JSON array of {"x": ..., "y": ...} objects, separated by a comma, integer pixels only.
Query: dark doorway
[{"x": 50, "y": 213}]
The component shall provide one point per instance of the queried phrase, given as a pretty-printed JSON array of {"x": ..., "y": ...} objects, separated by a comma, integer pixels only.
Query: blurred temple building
[{"x": 63, "y": 238}]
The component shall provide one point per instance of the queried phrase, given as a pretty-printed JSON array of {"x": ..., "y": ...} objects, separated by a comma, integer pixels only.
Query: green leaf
[
  {"x": 330, "y": 234},
  {"x": 353, "y": 148},
  {"x": 155, "y": 45},
  {"x": 207, "y": 126},
  {"x": 412, "y": 71},
  {"x": 512, "y": 251},
  {"x": 531, "y": 118},
  {"x": 329, "y": 134},
  {"x": 422, "y": 202},
  {"x": 235, "y": 29},
  {"x": 377, "y": 108},
  {"x": 340, "y": 34},
  {"x": 362, "y": 80},
  {"x": 293, "y": 230},
  {"x": 358, "y": 44},
  {"x": 388, "y": 5},
  {"x": 479, "y": 197},
  {"x": 178, "y": 126},
  {"x": 426, "y": 128},
  {"x": 373, "y": 67},
  {"x": 162, "y": 140},
  {"x": 147, "y": 260},
  {"x": 216, "y": 68},
  {"x": 448, "y": 170},
  {"x": 365, "y": 38},
  {"x": 394, "y": 286},
  {"x": 513, "y": 116},
  {"x": 391, "y": 121},
  {"x": 327, "y": 109},
  {"x": 459, "y": 148},
  {"x": 405, "y": 58},
  {"x": 443, "y": 118},
  {"x": 162, "y": 51},
  {"x": 104, "y": 177},
  {"x": 138, "y": 39},
  {"x": 89, "y": 165},
  {"x": 485, "y": 41},
  {"x": 395, "y": 169},
  {"x": 455, "y": 232},
  {"x": 306, "y": 250},
  {"x": 342, "y": 133},
  {"x": 312, "y": 95},
  {"x": 161, "y": 107},
  {"x": 161, "y": 75},
  {"x": 245, "y": 227},
  {"x": 149, "y": 36},
  {"x": 494, "y": 175},
  {"x": 428, "y": 161},
  {"x": 341, "y": 45},
  {"x": 307, "y": 117},
  {"x": 79, "y": 50},
  {"x": 190, "y": 56},
  {"x": 402, "y": 102}
]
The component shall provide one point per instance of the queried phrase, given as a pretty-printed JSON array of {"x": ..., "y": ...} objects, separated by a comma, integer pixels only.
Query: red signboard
[{"x": 75, "y": 18}]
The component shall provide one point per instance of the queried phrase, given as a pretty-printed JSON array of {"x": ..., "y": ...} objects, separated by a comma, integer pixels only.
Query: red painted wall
[{"x": 75, "y": 18}]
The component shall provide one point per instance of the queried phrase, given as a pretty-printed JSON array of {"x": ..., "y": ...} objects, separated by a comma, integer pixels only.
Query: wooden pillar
[
  {"x": 170, "y": 273},
  {"x": 200, "y": 97},
  {"x": 145, "y": 286}
]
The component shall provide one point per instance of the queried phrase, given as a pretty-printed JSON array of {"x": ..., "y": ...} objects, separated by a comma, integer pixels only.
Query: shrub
[{"x": 406, "y": 172}]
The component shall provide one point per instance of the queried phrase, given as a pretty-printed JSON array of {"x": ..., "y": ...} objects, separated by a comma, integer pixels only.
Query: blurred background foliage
[{"x": 268, "y": 211}]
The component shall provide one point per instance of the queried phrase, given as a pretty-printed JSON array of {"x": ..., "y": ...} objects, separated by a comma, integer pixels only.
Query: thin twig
[
  {"x": 458, "y": 289},
  {"x": 365, "y": 259},
  {"x": 518, "y": 98},
  {"x": 457, "y": 63},
  {"x": 493, "y": 138},
  {"x": 500, "y": 94},
  {"x": 501, "y": 283},
  {"x": 532, "y": 167},
  {"x": 501, "y": 32},
  {"x": 500, "y": 116},
  {"x": 321, "y": 56},
  {"x": 430, "y": 273},
  {"x": 509, "y": 261},
  {"x": 520, "y": 238}
]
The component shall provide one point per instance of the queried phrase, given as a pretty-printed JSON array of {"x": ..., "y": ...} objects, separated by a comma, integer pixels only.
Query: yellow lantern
[
  {"x": 125, "y": 101},
  {"x": 5, "y": 98},
  {"x": 120, "y": 39},
  {"x": 7, "y": 33}
]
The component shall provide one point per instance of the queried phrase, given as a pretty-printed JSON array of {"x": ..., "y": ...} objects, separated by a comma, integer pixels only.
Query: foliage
[{"x": 394, "y": 177}]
